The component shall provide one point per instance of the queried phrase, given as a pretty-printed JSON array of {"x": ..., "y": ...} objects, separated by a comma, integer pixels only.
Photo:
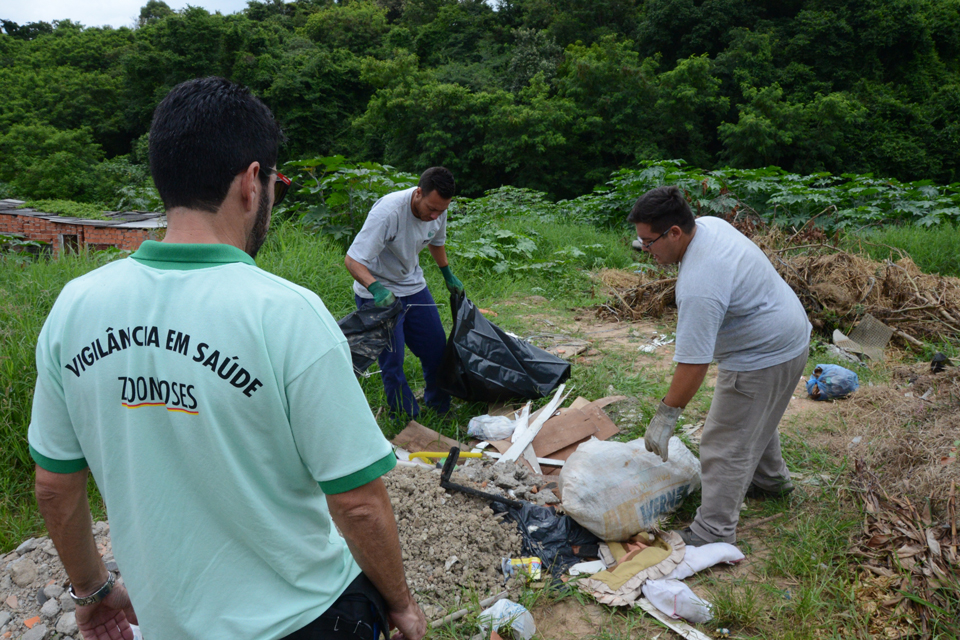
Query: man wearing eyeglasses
[
  {"x": 736, "y": 309},
  {"x": 216, "y": 407},
  {"x": 385, "y": 264}
]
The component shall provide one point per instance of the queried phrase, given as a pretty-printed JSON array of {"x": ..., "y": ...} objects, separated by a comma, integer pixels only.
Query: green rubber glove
[
  {"x": 381, "y": 295},
  {"x": 453, "y": 283}
]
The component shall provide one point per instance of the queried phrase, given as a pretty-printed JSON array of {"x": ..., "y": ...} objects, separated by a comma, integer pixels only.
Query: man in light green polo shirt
[{"x": 216, "y": 408}]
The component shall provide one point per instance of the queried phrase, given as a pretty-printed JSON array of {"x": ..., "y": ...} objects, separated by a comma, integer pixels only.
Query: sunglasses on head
[{"x": 280, "y": 188}]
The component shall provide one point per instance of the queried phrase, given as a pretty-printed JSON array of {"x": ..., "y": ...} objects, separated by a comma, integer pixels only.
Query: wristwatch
[{"x": 97, "y": 595}]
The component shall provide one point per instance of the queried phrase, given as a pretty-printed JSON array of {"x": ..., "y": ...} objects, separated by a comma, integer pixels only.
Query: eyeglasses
[
  {"x": 647, "y": 245},
  {"x": 280, "y": 188}
]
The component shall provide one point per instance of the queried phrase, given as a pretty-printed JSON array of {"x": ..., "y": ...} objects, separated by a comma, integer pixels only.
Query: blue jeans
[{"x": 420, "y": 329}]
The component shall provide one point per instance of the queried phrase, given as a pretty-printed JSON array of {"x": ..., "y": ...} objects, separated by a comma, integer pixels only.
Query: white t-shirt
[
  {"x": 390, "y": 242},
  {"x": 215, "y": 405},
  {"x": 733, "y": 305}
]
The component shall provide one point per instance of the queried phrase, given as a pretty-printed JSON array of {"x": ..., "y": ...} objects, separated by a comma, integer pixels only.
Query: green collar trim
[{"x": 185, "y": 257}]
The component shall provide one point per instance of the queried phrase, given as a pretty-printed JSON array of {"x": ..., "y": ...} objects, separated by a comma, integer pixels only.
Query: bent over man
[
  {"x": 384, "y": 261},
  {"x": 736, "y": 309},
  {"x": 215, "y": 406}
]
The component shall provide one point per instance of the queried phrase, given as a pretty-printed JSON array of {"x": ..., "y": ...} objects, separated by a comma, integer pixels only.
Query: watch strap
[{"x": 97, "y": 595}]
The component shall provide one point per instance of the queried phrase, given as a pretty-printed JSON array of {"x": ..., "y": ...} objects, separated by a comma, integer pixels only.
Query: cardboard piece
[
  {"x": 560, "y": 431},
  {"x": 574, "y": 427},
  {"x": 416, "y": 437},
  {"x": 509, "y": 409}
]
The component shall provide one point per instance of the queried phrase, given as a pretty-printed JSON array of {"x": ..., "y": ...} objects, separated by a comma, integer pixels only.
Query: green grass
[
  {"x": 29, "y": 288},
  {"x": 27, "y": 292},
  {"x": 801, "y": 582},
  {"x": 933, "y": 249},
  {"x": 67, "y": 208}
]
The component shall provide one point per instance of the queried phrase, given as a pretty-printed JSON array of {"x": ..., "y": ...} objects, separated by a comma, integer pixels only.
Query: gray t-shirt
[
  {"x": 734, "y": 306},
  {"x": 390, "y": 242}
]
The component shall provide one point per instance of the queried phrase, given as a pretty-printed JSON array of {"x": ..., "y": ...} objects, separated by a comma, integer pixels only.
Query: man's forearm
[
  {"x": 365, "y": 518},
  {"x": 359, "y": 272},
  {"x": 439, "y": 255},
  {"x": 687, "y": 379},
  {"x": 62, "y": 498}
]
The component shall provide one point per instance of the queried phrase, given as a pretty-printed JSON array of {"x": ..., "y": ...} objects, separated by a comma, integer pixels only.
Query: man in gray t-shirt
[
  {"x": 384, "y": 261},
  {"x": 736, "y": 309}
]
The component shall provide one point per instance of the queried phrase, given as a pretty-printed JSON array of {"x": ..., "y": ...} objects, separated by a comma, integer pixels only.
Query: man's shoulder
[
  {"x": 393, "y": 202},
  {"x": 96, "y": 279}
]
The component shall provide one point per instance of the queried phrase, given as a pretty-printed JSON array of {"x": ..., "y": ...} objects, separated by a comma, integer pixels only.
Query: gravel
[
  {"x": 452, "y": 547},
  {"x": 33, "y": 589}
]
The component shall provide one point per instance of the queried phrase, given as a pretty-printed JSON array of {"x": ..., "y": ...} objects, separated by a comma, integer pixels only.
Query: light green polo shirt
[{"x": 215, "y": 405}]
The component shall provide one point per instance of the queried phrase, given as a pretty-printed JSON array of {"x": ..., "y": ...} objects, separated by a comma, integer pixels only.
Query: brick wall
[{"x": 46, "y": 231}]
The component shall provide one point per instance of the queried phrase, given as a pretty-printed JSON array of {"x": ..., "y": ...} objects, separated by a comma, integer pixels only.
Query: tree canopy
[{"x": 552, "y": 95}]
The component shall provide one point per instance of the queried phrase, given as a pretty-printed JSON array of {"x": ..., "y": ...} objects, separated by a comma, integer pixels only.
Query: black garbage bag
[
  {"x": 369, "y": 330},
  {"x": 482, "y": 363},
  {"x": 549, "y": 536}
]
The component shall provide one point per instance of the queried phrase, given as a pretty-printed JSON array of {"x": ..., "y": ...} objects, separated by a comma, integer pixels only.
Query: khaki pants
[{"x": 741, "y": 445}]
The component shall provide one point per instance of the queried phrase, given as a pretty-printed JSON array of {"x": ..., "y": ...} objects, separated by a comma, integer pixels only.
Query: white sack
[
  {"x": 696, "y": 559},
  {"x": 618, "y": 489},
  {"x": 677, "y": 600}
]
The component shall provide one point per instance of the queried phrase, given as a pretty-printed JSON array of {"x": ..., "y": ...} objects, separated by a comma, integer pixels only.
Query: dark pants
[
  {"x": 359, "y": 612},
  {"x": 420, "y": 329}
]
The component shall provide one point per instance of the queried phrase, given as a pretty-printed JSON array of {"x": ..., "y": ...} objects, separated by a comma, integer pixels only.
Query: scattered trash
[
  {"x": 548, "y": 535},
  {"x": 369, "y": 330},
  {"x": 416, "y": 437},
  {"x": 618, "y": 489},
  {"x": 487, "y": 427},
  {"x": 831, "y": 381},
  {"x": 868, "y": 338},
  {"x": 506, "y": 613},
  {"x": 483, "y": 363},
  {"x": 660, "y": 340},
  {"x": 562, "y": 433},
  {"x": 587, "y": 568},
  {"x": 677, "y": 600},
  {"x": 528, "y": 568},
  {"x": 680, "y": 627},
  {"x": 696, "y": 559},
  {"x": 939, "y": 362},
  {"x": 846, "y": 356},
  {"x": 638, "y": 560}
]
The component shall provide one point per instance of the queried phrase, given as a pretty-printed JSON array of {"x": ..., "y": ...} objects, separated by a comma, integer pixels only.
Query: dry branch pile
[
  {"x": 836, "y": 288},
  {"x": 911, "y": 427},
  {"x": 915, "y": 589}
]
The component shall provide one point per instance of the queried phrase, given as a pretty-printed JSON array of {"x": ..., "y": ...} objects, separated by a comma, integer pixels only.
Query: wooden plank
[{"x": 416, "y": 437}]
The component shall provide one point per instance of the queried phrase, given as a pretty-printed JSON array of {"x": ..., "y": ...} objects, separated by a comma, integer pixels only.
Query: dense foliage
[{"x": 552, "y": 95}]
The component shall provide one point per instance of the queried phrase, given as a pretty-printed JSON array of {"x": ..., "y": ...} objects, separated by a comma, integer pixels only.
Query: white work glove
[{"x": 660, "y": 429}]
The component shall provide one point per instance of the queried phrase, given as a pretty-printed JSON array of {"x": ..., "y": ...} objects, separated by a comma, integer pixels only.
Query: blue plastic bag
[{"x": 830, "y": 381}]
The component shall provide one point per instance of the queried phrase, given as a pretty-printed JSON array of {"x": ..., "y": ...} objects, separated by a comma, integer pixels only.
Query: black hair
[
  {"x": 663, "y": 208},
  {"x": 438, "y": 179},
  {"x": 204, "y": 133}
]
